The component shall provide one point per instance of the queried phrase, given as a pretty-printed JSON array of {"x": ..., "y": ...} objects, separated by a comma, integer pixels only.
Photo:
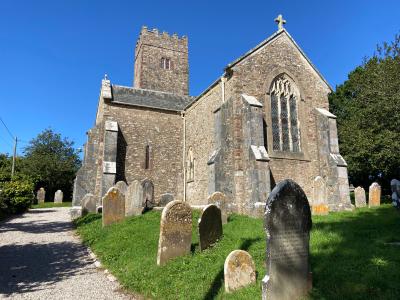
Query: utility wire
[{"x": 8, "y": 130}]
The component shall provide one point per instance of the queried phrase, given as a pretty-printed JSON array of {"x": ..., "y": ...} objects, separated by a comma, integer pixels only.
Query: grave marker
[
  {"x": 219, "y": 199},
  {"x": 113, "y": 206},
  {"x": 134, "y": 199},
  {"x": 360, "y": 200},
  {"x": 88, "y": 204},
  {"x": 165, "y": 199},
  {"x": 320, "y": 197},
  {"x": 58, "y": 196},
  {"x": 41, "y": 195},
  {"x": 239, "y": 270},
  {"x": 210, "y": 226},
  {"x": 374, "y": 197}
]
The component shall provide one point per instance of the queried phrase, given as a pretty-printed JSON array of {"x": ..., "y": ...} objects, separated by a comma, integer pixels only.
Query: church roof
[{"x": 148, "y": 98}]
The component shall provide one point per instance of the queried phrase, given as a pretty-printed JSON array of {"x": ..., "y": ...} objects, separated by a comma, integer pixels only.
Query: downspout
[{"x": 184, "y": 155}]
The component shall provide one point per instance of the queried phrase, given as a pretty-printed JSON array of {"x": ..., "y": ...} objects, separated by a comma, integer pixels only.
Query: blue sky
[{"x": 53, "y": 54}]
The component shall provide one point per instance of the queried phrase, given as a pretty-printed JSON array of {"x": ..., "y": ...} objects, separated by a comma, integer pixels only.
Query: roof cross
[{"x": 280, "y": 21}]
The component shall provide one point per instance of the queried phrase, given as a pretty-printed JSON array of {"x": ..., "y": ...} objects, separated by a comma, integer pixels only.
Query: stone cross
[{"x": 280, "y": 21}]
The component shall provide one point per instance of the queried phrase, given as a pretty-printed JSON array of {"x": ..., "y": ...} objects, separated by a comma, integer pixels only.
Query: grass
[
  {"x": 52, "y": 204},
  {"x": 349, "y": 257}
]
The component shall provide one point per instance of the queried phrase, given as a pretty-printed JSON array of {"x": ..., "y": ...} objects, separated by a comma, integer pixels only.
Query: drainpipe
[{"x": 184, "y": 155}]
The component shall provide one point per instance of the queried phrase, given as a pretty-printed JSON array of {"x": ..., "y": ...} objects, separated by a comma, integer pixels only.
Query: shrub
[{"x": 16, "y": 196}]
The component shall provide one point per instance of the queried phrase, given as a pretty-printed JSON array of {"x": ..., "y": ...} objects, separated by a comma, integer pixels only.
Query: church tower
[{"x": 161, "y": 62}]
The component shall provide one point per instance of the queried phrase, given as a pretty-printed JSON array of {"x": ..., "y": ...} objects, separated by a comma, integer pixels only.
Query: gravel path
[{"x": 40, "y": 258}]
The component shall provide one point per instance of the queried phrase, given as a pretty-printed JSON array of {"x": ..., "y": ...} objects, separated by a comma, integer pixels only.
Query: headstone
[
  {"x": 165, "y": 199},
  {"x": 288, "y": 224},
  {"x": 88, "y": 204},
  {"x": 148, "y": 194},
  {"x": 239, "y": 270},
  {"x": 175, "y": 231},
  {"x": 113, "y": 206},
  {"x": 122, "y": 186},
  {"x": 360, "y": 199},
  {"x": 395, "y": 187},
  {"x": 134, "y": 199},
  {"x": 219, "y": 199},
  {"x": 210, "y": 226},
  {"x": 374, "y": 197},
  {"x": 320, "y": 197},
  {"x": 58, "y": 196},
  {"x": 41, "y": 195}
]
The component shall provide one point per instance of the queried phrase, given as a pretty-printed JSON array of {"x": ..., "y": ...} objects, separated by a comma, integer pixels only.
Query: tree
[
  {"x": 52, "y": 161},
  {"x": 367, "y": 107}
]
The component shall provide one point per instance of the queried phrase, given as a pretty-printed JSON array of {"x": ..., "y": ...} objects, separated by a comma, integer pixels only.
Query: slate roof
[{"x": 148, "y": 98}]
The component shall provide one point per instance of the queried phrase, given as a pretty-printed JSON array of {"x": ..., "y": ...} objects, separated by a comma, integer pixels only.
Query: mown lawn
[
  {"x": 349, "y": 256},
  {"x": 52, "y": 204}
]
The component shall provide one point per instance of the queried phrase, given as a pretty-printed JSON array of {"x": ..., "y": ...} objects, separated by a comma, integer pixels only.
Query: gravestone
[
  {"x": 122, "y": 186},
  {"x": 360, "y": 199},
  {"x": 134, "y": 199},
  {"x": 210, "y": 226},
  {"x": 320, "y": 197},
  {"x": 219, "y": 199},
  {"x": 148, "y": 194},
  {"x": 374, "y": 197},
  {"x": 175, "y": 231},
  {"x": 165, "y": 199},
  {"x": 288, "y": 224},
  {"x": 113, "y": 206},
  {"x": 88, "y": 204},
  {"x": 395, "y": 187},
  {"x": 58, "y": 196},
  {"x": 41, "y": 195},
  {"x": 239, "y": 270}
]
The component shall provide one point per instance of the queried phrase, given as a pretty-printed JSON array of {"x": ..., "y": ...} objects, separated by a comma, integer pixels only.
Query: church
[{"x": 264, "y": 120}]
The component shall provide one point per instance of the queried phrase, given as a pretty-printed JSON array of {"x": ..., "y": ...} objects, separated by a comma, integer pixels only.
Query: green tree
[
  {"x": 367, "y": 107},
  {"x": 52, "y": 161}
]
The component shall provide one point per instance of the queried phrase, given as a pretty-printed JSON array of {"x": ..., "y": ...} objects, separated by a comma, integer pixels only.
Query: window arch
[{"x": 284, "y": 114}]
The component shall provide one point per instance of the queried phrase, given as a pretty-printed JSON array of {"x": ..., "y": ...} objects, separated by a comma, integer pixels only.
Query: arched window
[
  {"x": 284, "y": 115},
  {"x": 190, "y": 165}
]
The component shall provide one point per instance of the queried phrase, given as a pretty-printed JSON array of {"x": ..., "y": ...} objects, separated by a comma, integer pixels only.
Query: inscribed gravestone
[
  {"x": 288, "y": 224},
  {"x": 210, "y": 226},
  {"x": 239, "y": 270},
  {"x": 165, "y": 199},
  {"x": 360, "y": 199},
  {"x": 134, "y": 199},
  {"x": 395, "y": 187},
  {"x": 374, "y": 197},
  {"x": 175, "y": 231},
  {"x": 88, "y": 204},
  {"x": 58, "y": 196},
  {"x": 219, "y": 199},
  {"x": 122, "y": 186},
  {"x": 113, "y": 206},
  {"x": 320, "y": 197},
  {"x": 148, "y": 194},
  {"x": 41, "y": 195}
]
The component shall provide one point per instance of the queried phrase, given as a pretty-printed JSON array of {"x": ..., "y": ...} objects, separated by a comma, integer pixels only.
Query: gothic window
[
  {"x": 147, "y": 157},
  {"x": 165, "y": 63},
  {"x": 284, "y": 115},
  {"x": 190, "y": 165}
]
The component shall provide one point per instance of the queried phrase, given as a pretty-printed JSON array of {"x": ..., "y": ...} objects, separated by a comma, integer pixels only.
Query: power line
[{"x": 8, "y": 130}]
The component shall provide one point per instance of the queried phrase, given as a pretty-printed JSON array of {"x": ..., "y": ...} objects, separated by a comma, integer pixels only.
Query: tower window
[
  {"x": 166, "y": 63},
  {"x": 147, "y": 158}
]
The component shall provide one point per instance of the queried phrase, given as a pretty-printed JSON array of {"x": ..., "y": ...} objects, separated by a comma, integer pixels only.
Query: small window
[
  {"x": 165, "y": 63},
  {"x": 147, "y": 158}
]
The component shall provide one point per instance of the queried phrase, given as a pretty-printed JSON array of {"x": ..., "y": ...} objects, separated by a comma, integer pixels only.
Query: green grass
[
  {"x": 349, "y": 257},
  {"x": 52, "y": 204}
]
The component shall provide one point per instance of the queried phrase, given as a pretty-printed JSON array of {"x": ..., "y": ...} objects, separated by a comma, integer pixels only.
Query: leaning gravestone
[
  {"x": 41, "y": 195},
  {"x": 360, "y": 199},
  {"x": 148, "y": 194},
  {"x": 395, "y": 187},
  {"x": 239, "y": 270},
  {"x": 113, "y": 206},
  {"x": 374, "y": 197},
  {"x": 134, "y": 199},
  {"x": 219, "y": 199},
  {"x": 210, "y": 226},
  {"x": 288, "y": 224},
  {"x": 165, "y": 199},
  {"x": 88, "y": 204},
  {"x": 320, "y": 197},
  {"x": 58, "y": 196},
  {"x": 122, "y": 186},
  {"x": 175, "y": 231}
]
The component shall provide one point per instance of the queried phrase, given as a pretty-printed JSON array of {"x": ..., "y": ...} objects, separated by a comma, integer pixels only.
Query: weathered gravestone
[
  {"x": 88, "y": 204},
  {"x": 239, "y": 270},
  {"x": 134, "y": 199},
  {"x": 374, "y": 197},
  {"x": 288, "y": 224},
  {"x": 148, "y": 194},
  {"x": 219, "y": 199},
  {"x": 395, "y": 187},
  {"x": 320, "y": 197},
  {"x": 113, "y": 206},
  {"x": 122, "y": 186},
  {"x": 165, "y": 199},
  {"x": 58, "y": 196},
  {"x": 210, "y": 226},
  {"x": 175, "y": 231},
  {"x": 360, "y": 199},
  {"x": 41, "y": 195}
]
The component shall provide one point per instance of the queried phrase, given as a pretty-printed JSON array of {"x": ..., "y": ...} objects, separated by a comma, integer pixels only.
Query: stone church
[{"x": 264, "y": 120}]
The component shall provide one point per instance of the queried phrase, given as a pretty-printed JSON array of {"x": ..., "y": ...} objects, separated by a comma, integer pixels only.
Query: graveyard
[{"x": 353, "y": 255}]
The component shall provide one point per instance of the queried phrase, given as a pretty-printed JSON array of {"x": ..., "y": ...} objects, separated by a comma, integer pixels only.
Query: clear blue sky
[{"x": 53, "y": 54}]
